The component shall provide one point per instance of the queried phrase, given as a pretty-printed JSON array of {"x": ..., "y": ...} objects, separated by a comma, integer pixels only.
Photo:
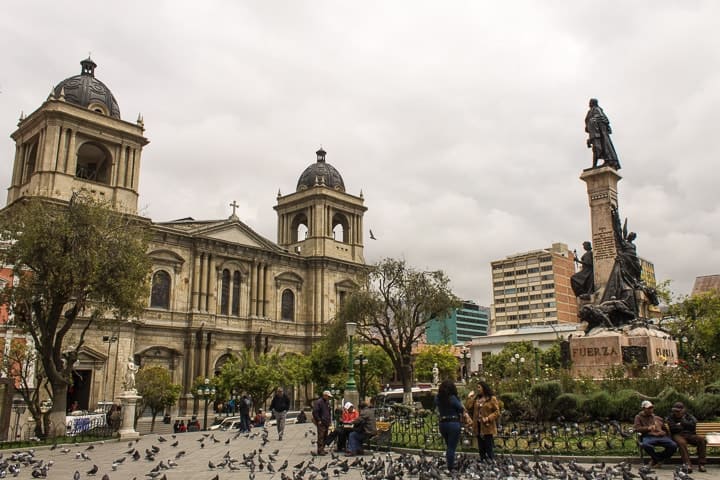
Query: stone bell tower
[
  {"x": 76, "y": 140},
  {"x": 320, "y": 219}
]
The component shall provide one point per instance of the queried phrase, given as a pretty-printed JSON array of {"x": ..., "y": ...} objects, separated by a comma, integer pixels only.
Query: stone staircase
[{"x": 143, "y": 426}]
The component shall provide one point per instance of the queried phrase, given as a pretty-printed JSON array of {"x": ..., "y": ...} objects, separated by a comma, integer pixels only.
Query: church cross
[{"x": 234, "y": 205}]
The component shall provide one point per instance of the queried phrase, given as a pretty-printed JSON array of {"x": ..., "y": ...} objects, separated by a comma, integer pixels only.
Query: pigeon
[
  {"x": 162, "y": 439},
  {"x": 372, "y": 237},
  {"x": 93, "y": 470}
]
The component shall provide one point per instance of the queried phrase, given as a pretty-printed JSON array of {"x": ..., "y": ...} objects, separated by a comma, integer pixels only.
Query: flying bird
[{"x": 372, "y": 237}]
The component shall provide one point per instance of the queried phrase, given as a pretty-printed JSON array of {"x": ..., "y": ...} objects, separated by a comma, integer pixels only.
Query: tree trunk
[
  {"x": 406, "y": 378},
  {"x": 152, "y": 422},
  {"x": 56, "y": 416}
]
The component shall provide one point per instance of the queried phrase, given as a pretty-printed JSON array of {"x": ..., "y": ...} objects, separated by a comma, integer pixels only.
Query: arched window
[
  {"x": 236, "y": 294},
  {"x": 340, "y": 228},
  {"x": 93, "y": 163},
  {"x": 225, "y": 292},
  {"x": 160, "y": 296},
  {"x": 287, "y": 310},
  {"x": 299, "y": 228}
]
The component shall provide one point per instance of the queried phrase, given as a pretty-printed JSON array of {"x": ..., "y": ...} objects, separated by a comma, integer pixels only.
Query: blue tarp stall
[{"x": 76, "y": 424}]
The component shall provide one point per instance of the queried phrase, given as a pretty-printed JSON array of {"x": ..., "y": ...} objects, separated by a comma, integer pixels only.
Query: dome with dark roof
[
  {"x": 321, "y": 173},
  {"x": 87, "y": 91}
]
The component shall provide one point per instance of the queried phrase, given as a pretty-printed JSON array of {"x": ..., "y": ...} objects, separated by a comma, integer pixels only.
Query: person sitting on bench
[
  {"x": 363, "y": 428},
  {"x": 654, "y": 433}
]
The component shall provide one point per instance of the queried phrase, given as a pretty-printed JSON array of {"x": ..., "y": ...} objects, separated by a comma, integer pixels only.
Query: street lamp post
[
  {"x": 19, "y": 408},
  {"x": 206, "y": 392},
  {"x": 517, "y": 360},
  {"x": 350, "y": 385},
  {"x": 465, "y": 352},
  {"x": 361, "y": 360},
  {"x": 537, "y": 359}
]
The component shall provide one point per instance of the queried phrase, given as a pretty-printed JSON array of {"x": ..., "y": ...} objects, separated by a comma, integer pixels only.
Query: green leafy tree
[
  {"x": 19, "y": 362},
  {"x": 256, "y": 374},
  {"x": 155, "y": 386},
  {"x": 327, "y": 362},
  {"x": 298, "y": 370},
  {"x": 377, "y": 369},
  {"x": 445, "y": 358},
  {"x": 695, "y": 323},
  {"x": 393, "y": 308},
  {"x": 78, "y": 264}
]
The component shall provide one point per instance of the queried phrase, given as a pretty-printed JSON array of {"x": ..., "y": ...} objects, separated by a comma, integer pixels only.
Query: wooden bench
[
  {"x": 711, "y": 430},
  {"x": 383, "y": 438}
]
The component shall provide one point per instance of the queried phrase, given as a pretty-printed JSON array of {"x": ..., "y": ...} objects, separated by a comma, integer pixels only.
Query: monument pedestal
[
  {"x": 602, "y": 195},
  {"x": 129, "y": 399},
  {"x": 594, "y": 354}
]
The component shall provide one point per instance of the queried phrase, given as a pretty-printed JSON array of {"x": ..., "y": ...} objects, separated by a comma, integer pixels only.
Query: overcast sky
[{"x": 461, "y": 122}]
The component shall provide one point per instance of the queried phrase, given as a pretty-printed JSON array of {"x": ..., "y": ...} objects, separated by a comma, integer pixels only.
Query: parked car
[
  {"x": 228, "y": 423},
  {"x": 290, "y": 419}
]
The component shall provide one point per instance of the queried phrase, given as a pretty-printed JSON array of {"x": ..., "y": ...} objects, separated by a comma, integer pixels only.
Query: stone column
[
  {"x": 602, "y": 194},
  {"x": 129, "y": 401}
]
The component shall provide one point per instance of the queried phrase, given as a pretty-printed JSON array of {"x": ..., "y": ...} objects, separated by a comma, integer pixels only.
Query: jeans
[
  {"x": 355, "y": 441},
  {"x": 450, "y": 432},
  {"x": 649, "y": 443}
]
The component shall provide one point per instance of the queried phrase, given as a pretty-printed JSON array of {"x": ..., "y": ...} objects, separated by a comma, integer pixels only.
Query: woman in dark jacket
[{"x": 450, "y": 412}]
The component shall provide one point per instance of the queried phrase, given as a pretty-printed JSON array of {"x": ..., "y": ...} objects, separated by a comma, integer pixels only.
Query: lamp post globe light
[
  {"x": 518, "y": 361},
  {"x": 207, "y": 393},
  {"x": 465, "y": 353},
  {"x": 361, "y": 361}
]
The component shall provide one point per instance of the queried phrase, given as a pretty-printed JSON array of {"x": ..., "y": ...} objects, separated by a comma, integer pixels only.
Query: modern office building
[
  {"x": 706, "y": 283},
  {"x": 470, "y": 320},
  {"x": 533, "y": 288}
]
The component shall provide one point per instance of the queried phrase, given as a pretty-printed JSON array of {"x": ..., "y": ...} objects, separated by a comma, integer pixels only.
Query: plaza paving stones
[{"x": 197, "y": 456}]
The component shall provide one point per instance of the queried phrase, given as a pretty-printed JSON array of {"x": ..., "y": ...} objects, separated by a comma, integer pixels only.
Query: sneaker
[
  {"x": 656, "y": 464},
  {"x": 687, "y": 468},
  {"x": 701, "y": 468}
]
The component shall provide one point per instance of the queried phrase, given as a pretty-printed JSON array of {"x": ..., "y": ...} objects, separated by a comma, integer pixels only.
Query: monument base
[
  {"x": 129, "y": 401},
  {"x": 602, "y": 349}
]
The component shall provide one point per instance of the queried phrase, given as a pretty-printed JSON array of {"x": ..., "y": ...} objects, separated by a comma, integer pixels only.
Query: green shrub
[
  {"x": 567, "y": 405},
  {"x": 625, "y": 405},
  {"x": 712, "y": 388},
  {"x": 706, "y": 407},
  {"x": 541, "y": 398},
  {"x": 513, "y": 405},
  {"x": 598, "y": 406}
]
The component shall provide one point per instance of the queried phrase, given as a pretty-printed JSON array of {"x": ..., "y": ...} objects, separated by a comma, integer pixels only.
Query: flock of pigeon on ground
[{"x": 258, "y": 464}]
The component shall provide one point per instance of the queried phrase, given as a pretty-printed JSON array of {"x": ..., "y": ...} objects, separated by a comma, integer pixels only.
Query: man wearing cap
[
  {"x": 322, "y": 418},
  {"x": 279, "y": 407},
  {"x": 653, "y": 433},
  {"x": 682, "y": 428}
]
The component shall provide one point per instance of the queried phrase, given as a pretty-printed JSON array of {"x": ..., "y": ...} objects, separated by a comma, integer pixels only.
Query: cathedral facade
[{"x": 218, "y": 287}]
